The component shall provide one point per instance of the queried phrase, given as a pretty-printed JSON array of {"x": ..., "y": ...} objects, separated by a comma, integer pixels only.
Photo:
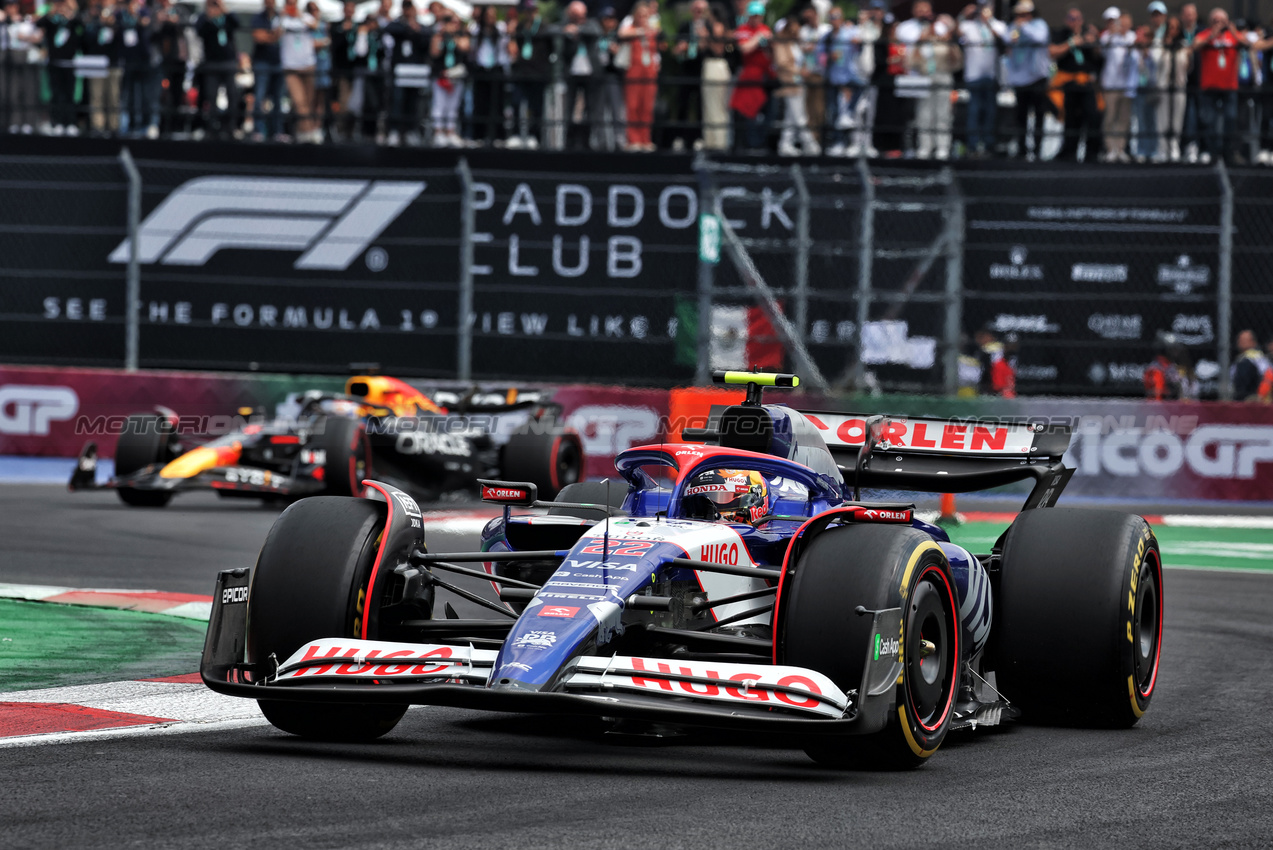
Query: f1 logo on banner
[{"x": 331, "y": 221}]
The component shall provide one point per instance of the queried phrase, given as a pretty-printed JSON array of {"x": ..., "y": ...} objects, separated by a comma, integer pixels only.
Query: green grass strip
[{"x": 46, "y": 645}]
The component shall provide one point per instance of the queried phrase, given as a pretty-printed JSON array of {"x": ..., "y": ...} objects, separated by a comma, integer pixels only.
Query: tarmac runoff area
[{"x": 112, "y": 742}]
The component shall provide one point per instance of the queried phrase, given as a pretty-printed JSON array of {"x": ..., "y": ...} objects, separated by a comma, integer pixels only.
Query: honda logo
[
  {"x": 27, "y": 409},
  {"x": 330, "y": 221}
]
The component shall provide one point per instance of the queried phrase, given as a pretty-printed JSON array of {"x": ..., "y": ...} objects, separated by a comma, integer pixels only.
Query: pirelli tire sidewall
[
  {"x": 876, "y": 567},
  {"x": 930, "y": 573},
  {"x": 1079, "y": 617}
]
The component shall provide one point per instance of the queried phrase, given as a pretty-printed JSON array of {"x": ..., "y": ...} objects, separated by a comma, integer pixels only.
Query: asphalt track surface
[{"x": 1194, "y": 772}]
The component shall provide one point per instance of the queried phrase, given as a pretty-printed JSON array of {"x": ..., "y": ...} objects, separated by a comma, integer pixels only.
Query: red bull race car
[
  {"x": 380, "y": 427},
  {"x": 735, "y": 582}
]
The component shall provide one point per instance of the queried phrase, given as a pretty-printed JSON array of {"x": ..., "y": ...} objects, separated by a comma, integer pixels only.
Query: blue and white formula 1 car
[{"x": 736, "y": 582}]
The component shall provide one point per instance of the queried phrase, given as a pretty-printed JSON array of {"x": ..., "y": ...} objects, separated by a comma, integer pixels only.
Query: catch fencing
[{"x": 606, "y": 269}]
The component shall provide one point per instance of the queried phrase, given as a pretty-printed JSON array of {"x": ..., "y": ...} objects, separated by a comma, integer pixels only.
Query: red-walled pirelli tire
[
  {"x": 877, "y": 567},
  {"x": 310, "y": 582},
  {"x": 1078, "y": 620},
  {"x": 348, "y": 456},
  {"x": 144, "y": 441},
  {"x": 549, "y": 461}
]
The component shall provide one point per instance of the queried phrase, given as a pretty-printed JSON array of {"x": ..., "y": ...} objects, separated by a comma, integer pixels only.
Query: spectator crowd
[{"x": 850, "y": 80}]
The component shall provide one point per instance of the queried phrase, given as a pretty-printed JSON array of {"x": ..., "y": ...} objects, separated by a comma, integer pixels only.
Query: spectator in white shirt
[
  {"x": 298, "y": 57},
  {"x": 980, "y": 33},
  {"x": 936, "y": 56},
  {"x": 1118, "y": 80},
  {"x": 18, "y": 68}
]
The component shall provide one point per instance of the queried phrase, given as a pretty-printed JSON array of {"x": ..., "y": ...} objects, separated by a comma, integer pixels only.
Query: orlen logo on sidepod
[
  {"x": 27, "y": 409},
  {"x": 330, "y": 221}
]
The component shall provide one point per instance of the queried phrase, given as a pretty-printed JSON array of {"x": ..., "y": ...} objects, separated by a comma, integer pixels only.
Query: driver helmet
[{"x": 732, "y": 495}]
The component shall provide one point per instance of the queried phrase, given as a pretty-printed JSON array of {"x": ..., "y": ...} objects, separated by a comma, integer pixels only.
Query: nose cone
[{"x": 548, "y": 634}]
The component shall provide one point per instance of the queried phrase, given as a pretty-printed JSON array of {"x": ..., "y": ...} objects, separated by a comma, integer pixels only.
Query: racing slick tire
[
  {"x": 142, "y": 443},
  {"x": 309, "y": 583},
  {"x": 348, "y": 454},
  {"x": 549, "y": 461},
  {"x": 876, "y": 567},
  {"x": 589, "y": 493},
  {"x": 1078, "y": 625}
]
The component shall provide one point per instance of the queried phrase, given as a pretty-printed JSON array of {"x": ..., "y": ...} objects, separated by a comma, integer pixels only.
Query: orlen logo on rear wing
[{"x": 841, "y": 430}]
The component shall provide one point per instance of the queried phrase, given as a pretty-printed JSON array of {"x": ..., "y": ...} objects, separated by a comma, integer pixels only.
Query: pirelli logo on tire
[{"x": 330, "y": 222}]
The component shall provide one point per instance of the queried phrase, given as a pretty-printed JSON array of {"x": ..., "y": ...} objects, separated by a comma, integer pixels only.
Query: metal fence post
[
  {"x": 132, "y": 290},
  {"x": 1224, "y": 285},
  {"x": 802, "y": 256},
  {"x": 954, "y": 285},
  {"x": 464, "y": 329},
  {"x": 706, "y": 282},
  {"x": 866, "y": 255}
]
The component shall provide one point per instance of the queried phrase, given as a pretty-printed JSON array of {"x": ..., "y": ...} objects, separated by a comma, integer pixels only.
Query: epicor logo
[
  {"x": 28, "y": 409},
  {"x": 331, "y": 221}
]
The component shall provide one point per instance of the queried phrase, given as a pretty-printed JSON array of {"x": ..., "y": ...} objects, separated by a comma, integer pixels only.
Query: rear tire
[
  {"x": 590, "y": 493},
  {"x": 1078, "y": 630},
  {"x": 551, "y": 462},
  {"x": 878, "y": 567},
  {"x": 143, "y": 442},
  {"x": 310, "y": 583},
  {"x": 348, "y": 454}
]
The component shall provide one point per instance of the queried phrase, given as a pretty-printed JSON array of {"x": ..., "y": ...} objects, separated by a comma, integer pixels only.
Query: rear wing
[{"x": 946, "y": 455}]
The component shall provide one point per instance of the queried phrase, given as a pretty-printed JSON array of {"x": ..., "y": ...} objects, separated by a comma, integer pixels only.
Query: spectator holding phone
[
  {"x": 935, "y": 57},
  {"x": 642, "y": 37},
  {"x": 449, "y": 50},
  {"x": 1118, "y": 83},
  {"x": 839, "y": 54},
  {"x": 62, "y": 34},
  {"x": 980, "y": 33},
  {"x": 750, "y": 101},
  {"x": 1077, "y": 54},
  {"x": 1215, "y": 52},
  {"x": 218, "y": 99},
  {"x": 103, "y": 90},
  {"x": 791, "y": 70},
  {"x": 1029, "y": 65}
]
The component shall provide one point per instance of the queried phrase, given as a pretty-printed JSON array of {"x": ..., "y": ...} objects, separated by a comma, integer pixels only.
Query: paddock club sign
[{"x": 585, "y": 261}]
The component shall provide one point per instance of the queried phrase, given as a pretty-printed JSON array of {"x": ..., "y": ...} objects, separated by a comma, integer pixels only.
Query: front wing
[
  {"x": 237, "y": 479},
  {"x": 742, "y": 696}
]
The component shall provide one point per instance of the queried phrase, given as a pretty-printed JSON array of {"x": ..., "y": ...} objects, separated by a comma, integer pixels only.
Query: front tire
[
  {"x": 310, "y": 582},
  {"x": 877, "y": 567},
  {"x": 143, "y": 442},
  {"x": 1078, "y": 630}
]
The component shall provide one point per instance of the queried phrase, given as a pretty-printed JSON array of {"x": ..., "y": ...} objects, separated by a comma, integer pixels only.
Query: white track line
[
  {"x": 179, "y": 728},
  {"x": 1218, "y": 521}
]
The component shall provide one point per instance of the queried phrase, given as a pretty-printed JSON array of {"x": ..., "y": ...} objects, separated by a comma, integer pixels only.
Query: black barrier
[
  {"x": 60, "y": 302},
  {"x": 585, "y": 266},
  {"x": 1085, "y": 269}
]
